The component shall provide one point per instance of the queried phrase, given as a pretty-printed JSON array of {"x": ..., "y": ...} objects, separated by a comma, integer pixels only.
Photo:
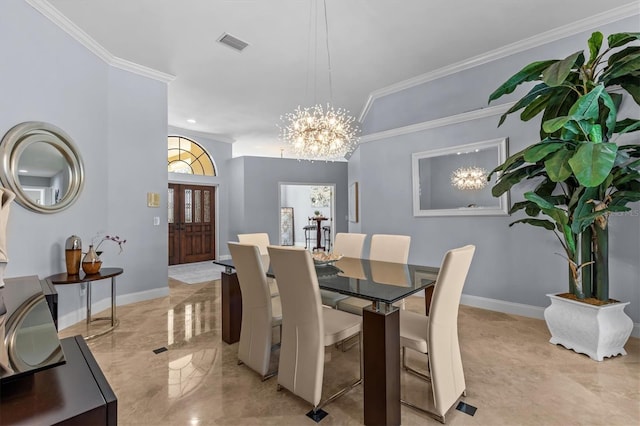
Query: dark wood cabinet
[{"x": 75, "y": 393}]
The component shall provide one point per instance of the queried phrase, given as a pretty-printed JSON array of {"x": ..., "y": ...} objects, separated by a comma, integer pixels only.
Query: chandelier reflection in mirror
[
  {"x": 317, "y": 132},
  {"x": 469, "y": 178}
]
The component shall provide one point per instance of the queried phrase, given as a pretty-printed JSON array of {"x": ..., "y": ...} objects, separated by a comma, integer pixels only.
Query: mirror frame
[
  {"x": 14, "y": 143},
  {"x": 502, "y": 205}
]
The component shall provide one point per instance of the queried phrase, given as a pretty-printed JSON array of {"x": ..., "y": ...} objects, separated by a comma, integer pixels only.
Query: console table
[
  {"x": 73, "y": 393},
  {"x": 104, "y": 273}
]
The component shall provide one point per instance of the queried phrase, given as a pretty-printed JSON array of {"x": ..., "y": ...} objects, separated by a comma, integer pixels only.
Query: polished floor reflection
[{"x": 514, "y": 376}]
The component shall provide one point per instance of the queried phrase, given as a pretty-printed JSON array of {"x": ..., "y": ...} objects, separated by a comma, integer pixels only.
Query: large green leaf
[
  {"x": 515, "y": 159},
  {"x": 595, "y": 43},
  {"x": 507, "y": 180},
  {"x": 622, "y": 198},
  {"x": 632, "y": 85},
  {"x": 536, "y": 106},
  {"x": 557, "y": 73},
  {"x": 612, "y": 115},
  {"x": 583, "y": 209},
  {"x": 558, "y": 106},
  {"x": 627, "y": 125},
  {"x": 595, "y": 133},
  {"x": 557, "y": 165},
  {"x": 586, "y": 107},
  {"x": 530, "y": 72},
  {"x": 592, "y": 162},
  {"x": 545, "y": 188},
  {"x": 570, "y": 240},
  {"x": 571, "y": 131},
  {"x": 620, "y": 39},
  {"x": 530, "y": 208},
  {"x": 536, "y": 91},
  {"x": 558, "y": 215},
  {"x": 627, "y": 65},
  {"x": 537, "y": 152},
  {"x": 617, "y": 56},
  {"x": 555, "y": 124},
  {"x": 536, "y": 222}
]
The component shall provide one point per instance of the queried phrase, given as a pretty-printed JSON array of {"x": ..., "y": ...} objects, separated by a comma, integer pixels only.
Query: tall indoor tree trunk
[
  {"x": 601, "y": 258},
  {"x": 586, "y": 250}
]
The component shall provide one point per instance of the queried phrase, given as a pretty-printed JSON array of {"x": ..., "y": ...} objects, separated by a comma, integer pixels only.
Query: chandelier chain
[
  {"x": 317, "y": 132},
  {"x": 326, "y": 26}
]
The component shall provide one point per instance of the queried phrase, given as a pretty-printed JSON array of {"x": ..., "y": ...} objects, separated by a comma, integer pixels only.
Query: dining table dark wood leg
[
  {"x": 381, "y": 335},
  {"x": 231, "y": 308}
]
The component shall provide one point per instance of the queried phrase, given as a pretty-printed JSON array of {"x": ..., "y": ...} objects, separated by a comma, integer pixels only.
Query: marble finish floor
[{"x": 513, "y": 375}]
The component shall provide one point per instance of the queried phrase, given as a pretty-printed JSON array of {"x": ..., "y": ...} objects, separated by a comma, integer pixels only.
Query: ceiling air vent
[{"x": 233, "y": 42}]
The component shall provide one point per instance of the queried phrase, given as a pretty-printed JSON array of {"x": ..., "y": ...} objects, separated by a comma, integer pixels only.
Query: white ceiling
[{"x": 373, "y": 43}]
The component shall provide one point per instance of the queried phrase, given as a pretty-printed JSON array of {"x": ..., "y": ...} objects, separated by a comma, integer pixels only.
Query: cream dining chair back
[
  {"x": 259, "y": 239},
  {"x": 390, "y": 248},
  {"x": 260, "y": 311},
  {"x": 307, "y": 326},
  {"x": 384, "y": 248},
  {"x": 262, "y": 241},
  {"x": 349, "y": 244},
  {"x": 437, "y": 334}
]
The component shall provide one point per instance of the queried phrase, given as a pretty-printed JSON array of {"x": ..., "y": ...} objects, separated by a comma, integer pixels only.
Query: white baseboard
[
  {"x": 80, "y": 314},
  {"x": 224, "y": 257},
  {"x": 516, "y": 309}
]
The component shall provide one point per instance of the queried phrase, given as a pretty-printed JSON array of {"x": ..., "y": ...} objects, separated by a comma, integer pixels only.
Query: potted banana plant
[{"x": 581, "y": 175}]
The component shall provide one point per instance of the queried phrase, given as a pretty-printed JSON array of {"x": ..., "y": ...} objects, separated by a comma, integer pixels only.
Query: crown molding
[
  {"x": 55, "y": 16},
  {"x": 573, "y": 28},
  {"x": 439, "y": 122}
]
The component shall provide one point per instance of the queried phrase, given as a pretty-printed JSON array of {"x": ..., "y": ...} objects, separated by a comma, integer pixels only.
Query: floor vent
[{"x": 160, "y": 350}]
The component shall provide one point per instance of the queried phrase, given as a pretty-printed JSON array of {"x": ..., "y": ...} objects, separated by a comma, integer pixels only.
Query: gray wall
[
  {"x": 118, "y": 122},
  {"x": 254, "y": 192},
  {"x": 516, "y": 264}
]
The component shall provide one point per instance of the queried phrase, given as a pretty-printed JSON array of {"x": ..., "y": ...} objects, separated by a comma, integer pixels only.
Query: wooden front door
[{"x": 191, "y": 223}]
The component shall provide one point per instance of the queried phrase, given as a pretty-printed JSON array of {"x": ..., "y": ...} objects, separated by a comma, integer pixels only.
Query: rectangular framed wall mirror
[{"x": 453, "y": 181}]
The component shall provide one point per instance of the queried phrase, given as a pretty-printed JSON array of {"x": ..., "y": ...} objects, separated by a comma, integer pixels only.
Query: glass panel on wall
[
  {"x": 187, "y": 206},
  {"x": 170, "y": 205},
  {"x": 186, "y": 156}
]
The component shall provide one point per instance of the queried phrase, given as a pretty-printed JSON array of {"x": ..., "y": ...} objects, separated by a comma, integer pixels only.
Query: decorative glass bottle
[{"x": 91, "y": 262}]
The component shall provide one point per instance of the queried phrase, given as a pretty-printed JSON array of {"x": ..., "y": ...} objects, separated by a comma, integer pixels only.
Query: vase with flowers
[{"x": 91, "y": 263}]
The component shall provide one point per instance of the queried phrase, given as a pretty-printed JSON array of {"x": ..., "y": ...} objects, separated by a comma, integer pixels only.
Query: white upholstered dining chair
[
  {"x": 307, "y": 327},
  {"x": 347, "y": 245},
  {"x": 436, "y": 335},
  {"x": 260, "y": 311},
  {"x": 260, "y": 239},
  {"x": 384, "y": 248}
]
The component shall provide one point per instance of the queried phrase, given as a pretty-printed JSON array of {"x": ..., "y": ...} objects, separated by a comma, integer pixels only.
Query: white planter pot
[{"x": 597, "y": 331}]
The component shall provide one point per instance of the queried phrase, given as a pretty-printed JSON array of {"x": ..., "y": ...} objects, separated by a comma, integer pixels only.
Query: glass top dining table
[{"x": 381, "y": 282}]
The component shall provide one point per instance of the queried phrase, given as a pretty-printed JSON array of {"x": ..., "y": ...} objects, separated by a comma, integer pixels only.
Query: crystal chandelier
[
  {"x": 317, "y": 132},
  {"x": 469, "y": 178}
]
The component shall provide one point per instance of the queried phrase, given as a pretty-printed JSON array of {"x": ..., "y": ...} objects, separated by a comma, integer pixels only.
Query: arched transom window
[{"x": 186, "y": 156}]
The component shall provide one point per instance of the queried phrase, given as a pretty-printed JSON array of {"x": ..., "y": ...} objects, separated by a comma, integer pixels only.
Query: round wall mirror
[{"x": 42, "y": 166}]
